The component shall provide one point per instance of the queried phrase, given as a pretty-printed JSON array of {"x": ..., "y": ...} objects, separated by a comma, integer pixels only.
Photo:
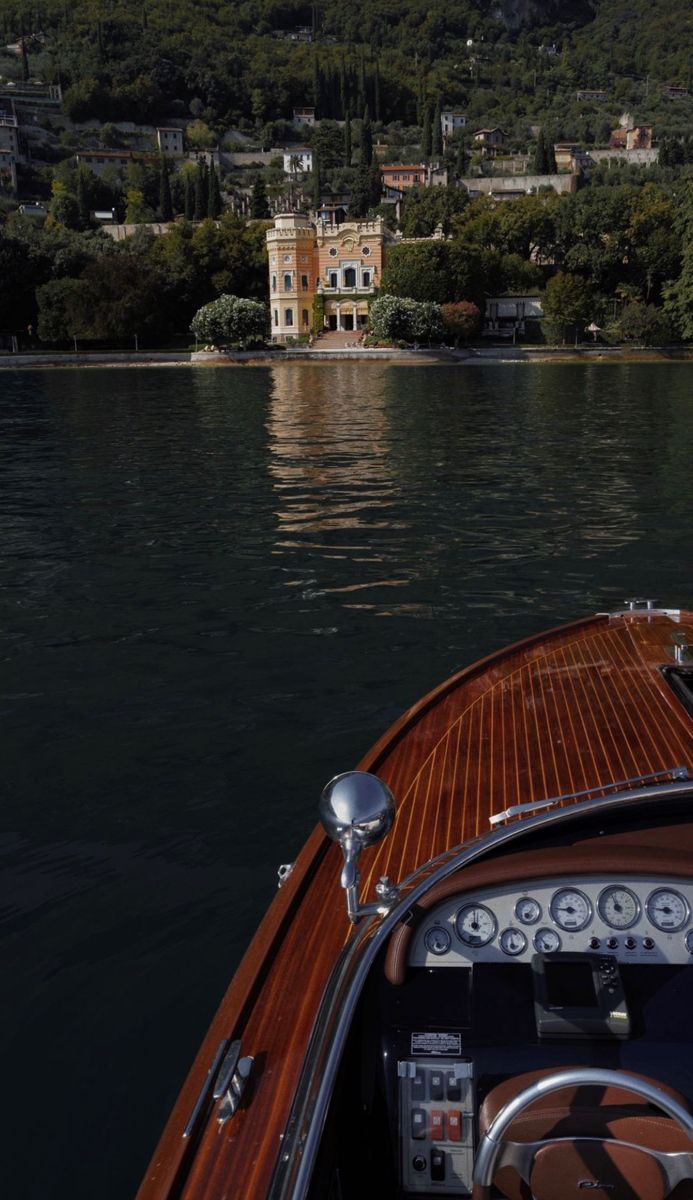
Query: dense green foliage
[
  {"x": 82, "y": 284},
  {"x": 223, "y": 62}
]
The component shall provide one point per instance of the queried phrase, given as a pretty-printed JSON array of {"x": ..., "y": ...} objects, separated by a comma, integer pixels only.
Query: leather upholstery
[{"x": 591, "y": 1111}]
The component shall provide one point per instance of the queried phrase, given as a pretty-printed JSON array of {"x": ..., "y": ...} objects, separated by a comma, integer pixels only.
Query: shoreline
[{"x": 477, "y": 356}]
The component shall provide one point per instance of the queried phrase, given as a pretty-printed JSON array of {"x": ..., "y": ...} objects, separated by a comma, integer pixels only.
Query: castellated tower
[
  {"x": 338, "y": 265},
  {"x": 293, "y": 260}
]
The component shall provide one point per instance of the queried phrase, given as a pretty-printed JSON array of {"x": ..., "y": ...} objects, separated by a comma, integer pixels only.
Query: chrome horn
[{"x": 357, "y": 810}]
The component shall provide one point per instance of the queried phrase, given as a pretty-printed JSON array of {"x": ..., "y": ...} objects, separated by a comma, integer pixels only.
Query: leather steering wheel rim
[{"x": 493, "y": 1140}]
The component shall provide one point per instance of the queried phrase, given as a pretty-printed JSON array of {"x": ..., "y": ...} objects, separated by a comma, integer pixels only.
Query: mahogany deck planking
[{"x": 554, "y": 715}]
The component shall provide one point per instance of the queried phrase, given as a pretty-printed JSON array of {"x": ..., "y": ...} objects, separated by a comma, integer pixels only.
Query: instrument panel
[{"x": 635, "y": 919}]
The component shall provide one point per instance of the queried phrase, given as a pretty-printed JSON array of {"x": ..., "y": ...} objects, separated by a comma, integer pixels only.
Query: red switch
[
  {"x": 454, "y": 1126},
  {"x": 437, "y": 1125}
]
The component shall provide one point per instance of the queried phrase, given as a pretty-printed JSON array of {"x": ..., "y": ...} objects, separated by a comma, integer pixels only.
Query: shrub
[
  {"x": 242, "y": 323},
  {"x": 462, "y": 320}
]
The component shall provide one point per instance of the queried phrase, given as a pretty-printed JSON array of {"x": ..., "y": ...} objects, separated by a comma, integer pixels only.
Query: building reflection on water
[{"x": 338, "y": 500}]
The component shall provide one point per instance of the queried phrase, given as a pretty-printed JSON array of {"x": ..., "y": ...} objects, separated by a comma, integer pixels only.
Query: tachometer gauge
[
  {"x": 513, "y": 941},
  {"x": 547, "y": 941},
  {"x": 618, "y": 907},
  {"x": 475, "y": 925},
  {"x": 528, "y": 910},
  {"x": 667, "y": 910},
  {"x": 570, "y": 909},
  {"x": 437, "y": 940}
]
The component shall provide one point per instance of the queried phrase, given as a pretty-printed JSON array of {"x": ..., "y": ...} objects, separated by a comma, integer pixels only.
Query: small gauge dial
[
  {"x": 689, "y": 941},
  {"x": 528, "y": 910},
  {"x": 618, "y": 907},
  {"x": 667, "y": 910},
  {"x": 547, "y": 941},
  {"x": 513, "y": 941},
  {"x": 570, "y": 909},
  {"x": 438, "y": 940},
  {"x": 475, "y": 925}
]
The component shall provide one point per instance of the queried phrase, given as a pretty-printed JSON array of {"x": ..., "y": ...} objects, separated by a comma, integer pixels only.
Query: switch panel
[{"x": 436, "y": 1103}]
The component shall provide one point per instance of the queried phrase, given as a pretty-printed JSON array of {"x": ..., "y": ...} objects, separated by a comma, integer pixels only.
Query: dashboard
[{"x": 634, "y": 918}]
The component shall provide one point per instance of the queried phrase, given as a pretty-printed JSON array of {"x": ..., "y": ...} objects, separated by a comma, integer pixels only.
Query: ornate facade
[{"x": 322, "y": 276}]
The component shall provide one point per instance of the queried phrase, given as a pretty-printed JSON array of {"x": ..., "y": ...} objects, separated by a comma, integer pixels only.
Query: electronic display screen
[{"x": 569, "y": 984}]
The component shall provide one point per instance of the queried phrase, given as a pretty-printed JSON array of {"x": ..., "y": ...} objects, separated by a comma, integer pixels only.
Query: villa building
[
  {"x": 170, "y": 141},
  {"x": 334, "y": 269}
]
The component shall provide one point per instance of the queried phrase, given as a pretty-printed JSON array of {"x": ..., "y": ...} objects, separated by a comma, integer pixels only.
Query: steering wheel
[{"x": 608, "y": 1168}]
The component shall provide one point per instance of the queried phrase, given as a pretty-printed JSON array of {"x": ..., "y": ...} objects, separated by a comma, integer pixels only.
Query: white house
[
  {"x": 297, "y": 161},
  {"x": 450, "y": 121},
  {"x": 170, "y": 141}
]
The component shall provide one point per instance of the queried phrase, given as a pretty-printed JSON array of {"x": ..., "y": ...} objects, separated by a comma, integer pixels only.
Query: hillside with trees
[{"x": 253, "y": 61}]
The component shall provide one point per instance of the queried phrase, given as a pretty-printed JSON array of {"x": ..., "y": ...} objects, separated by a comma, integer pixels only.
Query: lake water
[{"x": 219, "y": 586}]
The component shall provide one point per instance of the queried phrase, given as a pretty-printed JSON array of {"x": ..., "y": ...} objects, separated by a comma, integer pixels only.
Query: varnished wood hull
[{"x": 578, "y": 708}]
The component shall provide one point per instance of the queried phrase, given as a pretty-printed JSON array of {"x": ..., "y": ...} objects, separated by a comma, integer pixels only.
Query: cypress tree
[
  {"x": 214, "y": 197},
  {"x": 437, "y": 133},
  {"x": 541, "y": 163},
  {"x": 201, "y": 192},
  {"x": 426, "y": 134},
  {"x": 461, "y": 164},
  {"x": 258, "y": 200},
  {"x": 82, "y": 196},
  {"x": 347, "y": 139},
  {"x": 376, "y": 91},
  {"x": 315, "y": 182},
  {"x": 366, "y": 140},
  {"x": 188, "y": 197},
  {"x": 165, "y": 205},
  {"x": 362, "y": 97}
]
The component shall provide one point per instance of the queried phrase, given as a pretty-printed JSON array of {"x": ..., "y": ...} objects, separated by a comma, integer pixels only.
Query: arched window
[
  {"x": 274, "y": 283},
  {"x": 366, "y": 278},
  {"x": 305, "y": 316},
  {"x": 287, "y": 282},
  {"x": 289, "y": 316},
  {"x": 333, "y": 279},
  {"x": 276, "y": 316},
  {"x": 304, "y": 282},
  {"x": 350, "y": 277}
]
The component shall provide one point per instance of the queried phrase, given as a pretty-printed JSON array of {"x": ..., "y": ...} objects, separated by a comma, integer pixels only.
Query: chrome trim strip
[
  {"x": 533, "y": 805},
  {"x": 227, "y": 1070},
  {"x": 292, "y": 1173},
  {"x": 205, "y": 1089}
]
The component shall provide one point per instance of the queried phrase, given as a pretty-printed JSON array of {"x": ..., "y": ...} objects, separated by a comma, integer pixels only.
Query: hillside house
[
  {"x": 9, "y": 129},
  {"x": 597, "y": 94},
  {"x": 490, "y": 141},
  {"x": 639, "y": 138},
  {"x": 297, "y": 161},
  {"x": 674, "y": 91},
  {"x": 98, "y": 161},
  {"x": 170, "y": 141},
  {"x": 304, "y": 116},
  {"x": 450, "y": 121},
  {"x": 8, "y": 171},
  {"x": 338, "y": 264}
]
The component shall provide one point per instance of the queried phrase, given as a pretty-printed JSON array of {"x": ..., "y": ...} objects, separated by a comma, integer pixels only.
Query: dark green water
[{"x": 218, "y": 588}]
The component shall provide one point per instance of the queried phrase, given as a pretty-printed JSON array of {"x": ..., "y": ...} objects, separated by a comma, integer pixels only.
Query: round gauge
[
  {"x": 689, "y": 941},
  {"x": 513, "y": 941},
  {"x": 437, "y": 940},
  {"x": 667, "y": 910},
  {"x": 528, "y": 910},
  {"x": 618, "y": 907},
  {"x": 547, "y": 941},
  {"x": 570, "y": 909},
  {"x": 475, "y": 925}
]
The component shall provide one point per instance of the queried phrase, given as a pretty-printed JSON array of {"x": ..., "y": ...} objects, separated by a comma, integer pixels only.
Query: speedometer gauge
[
  {"x": 475, "y": 925},
  {"x": 570, "y": 909},
  {"x": 667, "y": 910},
  {"x": 618, "y": 907}
]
